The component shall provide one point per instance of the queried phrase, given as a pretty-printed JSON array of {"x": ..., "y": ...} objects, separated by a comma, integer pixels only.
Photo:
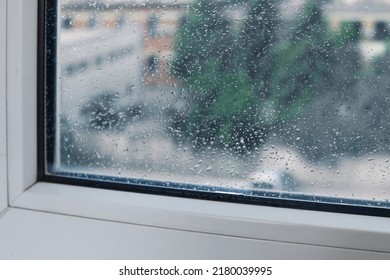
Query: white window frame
[
  {"x": 302, "y": 227},
  {"x": 3, "y": 129}
]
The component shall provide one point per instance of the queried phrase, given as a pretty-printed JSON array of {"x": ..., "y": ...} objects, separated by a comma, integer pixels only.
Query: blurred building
[
  {"x": 373, "y": 16},
  {"x": 370, "y": 18},
  {"x": 159, "y": 21}
]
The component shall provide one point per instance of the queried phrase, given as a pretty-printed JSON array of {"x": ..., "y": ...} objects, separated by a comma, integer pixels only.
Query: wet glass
[{"x": 270, "y": 96}]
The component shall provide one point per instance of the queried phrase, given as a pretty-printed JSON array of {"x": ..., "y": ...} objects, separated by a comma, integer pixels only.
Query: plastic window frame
[
  {"x": 335, "y": 230},
  {"x": 3, "y": 128}
]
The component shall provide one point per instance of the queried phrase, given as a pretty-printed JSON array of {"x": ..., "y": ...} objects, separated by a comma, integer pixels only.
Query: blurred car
[{"x": 273, "y": 180}]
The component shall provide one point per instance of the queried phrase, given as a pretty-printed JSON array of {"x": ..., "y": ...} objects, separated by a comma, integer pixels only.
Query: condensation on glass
[{"x": 282, "y": 96}]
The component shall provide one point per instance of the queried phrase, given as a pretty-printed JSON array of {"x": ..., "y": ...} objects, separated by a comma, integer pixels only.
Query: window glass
[{"x": 252, "y": 97}]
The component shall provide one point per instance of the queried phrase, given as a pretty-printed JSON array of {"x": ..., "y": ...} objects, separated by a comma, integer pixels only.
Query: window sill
[
  {"x": 210, "y": 217},
  {"x": 52, "y": 236}
]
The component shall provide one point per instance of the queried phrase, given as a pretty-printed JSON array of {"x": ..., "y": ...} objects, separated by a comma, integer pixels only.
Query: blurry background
[{"x": 277, "y": 95}]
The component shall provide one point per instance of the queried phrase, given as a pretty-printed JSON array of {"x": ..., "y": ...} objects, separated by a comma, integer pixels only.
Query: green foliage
[
  {"x": 203, "y": 37},
  {"x": 243, "y": 84},
  {"x": 346, "y": 59},
  {"x": 256, "y": 40},
  {"x": 221, "y": 92},
  {"x": 303, "y": 65},
  {"x": 350, "y": 31}
]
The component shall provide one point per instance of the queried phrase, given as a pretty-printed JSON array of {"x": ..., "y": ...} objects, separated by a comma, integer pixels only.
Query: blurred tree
[
  {"x": 221, "y": 107},
  {"x": 331, "y": 123},
  {"x": 350, "y": 31},
  {"x": 346, "y": 60},
  {"x": 303, "y": 65},
  {"x": 203, "y": 41},
  {"x": 241, "y": 86},
  {"x": 256, "y": 40}
]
